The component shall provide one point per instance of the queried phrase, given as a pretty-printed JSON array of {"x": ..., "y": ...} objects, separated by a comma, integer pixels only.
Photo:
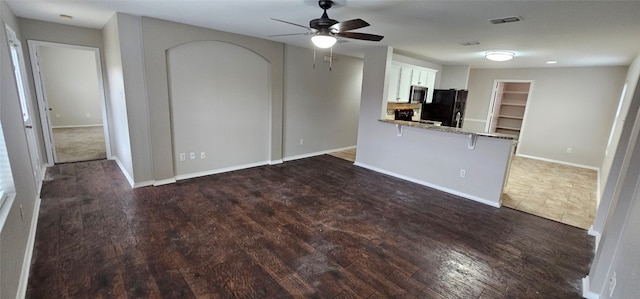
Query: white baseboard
[
  {"x": 124, "y": 171},
  {"x": 31, "y": 241},
  {"x": 560, "y": 162},
  {"x": 220, "y": 170},
  {"x": 163, "y": 182},
  {"x": 308, "y": 155},
  {"x": 443, "y": 189},
  {"x": 275, "y": 162},
  {"x": 586, "y": 292},
  {"x": 595, "y": 234}
]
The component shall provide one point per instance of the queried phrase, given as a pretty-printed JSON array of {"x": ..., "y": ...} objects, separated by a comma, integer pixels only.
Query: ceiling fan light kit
[
  {"x": 499, "y": 55},
  {"x": 324, "y": 30},
  {"x": 323, "y": 41}
]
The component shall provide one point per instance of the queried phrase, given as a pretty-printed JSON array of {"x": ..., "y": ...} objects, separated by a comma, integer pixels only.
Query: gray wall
[
  {"x": 71, "y": 86},
  {"x": 320, "y": 106},
  {"x": 454, "y": 77},
  {"x": 158, "y": 36},
  {"x": 117, "y": 105},
  {"x": 16, "y": 231},
  {"x": 57, "y": 33},
  {"x": 427, "y": 157},
  {"x": 568, "y": 108},
  {"x": 618, "y": 215},
  {"x": 219, "y": 95}
]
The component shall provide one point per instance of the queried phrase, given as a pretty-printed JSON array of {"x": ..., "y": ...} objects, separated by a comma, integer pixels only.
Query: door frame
[
  {"x": 495, "y": 103},
  {"x": 32, "y": 142},
  {"x": 45, "y": 116}
]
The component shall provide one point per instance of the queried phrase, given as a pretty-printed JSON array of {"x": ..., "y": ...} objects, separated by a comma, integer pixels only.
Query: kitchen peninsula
[{"x": 472, "y": 165}]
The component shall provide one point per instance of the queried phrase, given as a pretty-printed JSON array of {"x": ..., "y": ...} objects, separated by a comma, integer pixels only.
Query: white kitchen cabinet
[
  {"x": 419, "y": 77},
  {"x": 394, "y": 81},
  {"x": 431, "y": 83},
  {"x": 404, "y": 88},
  {"x": 402, "y": 76},
  {"x": 399, "y": 83}
]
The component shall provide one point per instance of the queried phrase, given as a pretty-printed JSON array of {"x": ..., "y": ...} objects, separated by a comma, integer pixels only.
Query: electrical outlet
[
  {"x": 57, "y": 115},
  {"x": 612, "y": 284},
  {"x": 463, "y": 173},
  {"x": 192, "y": 155},
  {"x": 203, "y": 155},
  {"x": 569, "y": 150},
  {"x": 183, "y": 156},
  {"x": 301, "y": 141}
]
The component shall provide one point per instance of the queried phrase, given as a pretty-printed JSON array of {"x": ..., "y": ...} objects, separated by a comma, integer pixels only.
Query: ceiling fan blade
[
  {"x": 349, "y": 25},
  {"x": 294, "y": 24},
  {"x": 288, "y": 34},
  {"x": 362, "y": 36}
]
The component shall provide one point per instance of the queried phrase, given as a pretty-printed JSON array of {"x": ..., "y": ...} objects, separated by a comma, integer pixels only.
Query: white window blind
[{"x": 6, "y": 179}]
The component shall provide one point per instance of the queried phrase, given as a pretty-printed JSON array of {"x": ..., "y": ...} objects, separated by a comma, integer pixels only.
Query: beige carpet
[{"x": 79, "y": 144}]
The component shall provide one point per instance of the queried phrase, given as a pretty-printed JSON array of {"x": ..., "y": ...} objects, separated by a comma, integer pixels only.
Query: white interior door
[{"x": 17, "y": 61}]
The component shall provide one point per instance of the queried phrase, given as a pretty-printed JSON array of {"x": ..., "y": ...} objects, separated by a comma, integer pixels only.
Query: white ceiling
[{"x": 575, "y": 33}]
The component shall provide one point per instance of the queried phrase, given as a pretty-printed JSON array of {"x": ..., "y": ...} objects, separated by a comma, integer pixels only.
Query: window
[{"x": 6, "y": 179}]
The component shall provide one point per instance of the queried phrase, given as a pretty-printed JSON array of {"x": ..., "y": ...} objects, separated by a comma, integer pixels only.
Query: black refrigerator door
[{"x": 441, "y": 107}]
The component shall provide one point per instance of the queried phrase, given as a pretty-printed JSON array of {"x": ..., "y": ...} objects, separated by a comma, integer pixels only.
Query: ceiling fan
[{"x": 324, "y": 30}]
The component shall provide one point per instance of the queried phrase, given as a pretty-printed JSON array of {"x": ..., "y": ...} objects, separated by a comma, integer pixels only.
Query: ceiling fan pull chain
[
  {"x": 331, "y": 59},
  {"x": 314, "y": 57}
]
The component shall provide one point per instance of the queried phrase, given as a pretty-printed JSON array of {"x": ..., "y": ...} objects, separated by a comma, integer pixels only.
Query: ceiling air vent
[{"x": 505, "y": 20}]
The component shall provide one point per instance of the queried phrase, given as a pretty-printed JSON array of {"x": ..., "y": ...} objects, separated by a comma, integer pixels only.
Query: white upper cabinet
[
  {"x": 402, "y": 76},
  {"x": 394, "y": 82},
  {"x": 405, "y": 84},
  {"x": 419, "y": 77}
]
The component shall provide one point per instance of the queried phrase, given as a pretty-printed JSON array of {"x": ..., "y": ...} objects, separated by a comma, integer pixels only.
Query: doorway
[
  {"x": 507, "y": 112},
  {"x": 70, "y": 92},
  {"x": 17, "y": 60}
]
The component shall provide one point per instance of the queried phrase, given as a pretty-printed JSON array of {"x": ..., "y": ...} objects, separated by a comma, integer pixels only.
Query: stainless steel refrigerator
[{"x": 447, "y": 107}]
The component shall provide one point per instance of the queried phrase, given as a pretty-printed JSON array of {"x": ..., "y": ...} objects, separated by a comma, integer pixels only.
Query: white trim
[
  {"x": 586, "y": 292},
  {"x": 559, "y": 162},
  {"x": 76, "y": 126},
  {"x": 220, "y": 170},
  {"x": 5, "y": 207},
  {"x": 443, "y": 189},
  {"x": 274, "y": 162},
  {"x": 45, "y": 117},
  {"x": 142, "y": 184},
  {"x": 31, "y": 241},
  {"x": 124, "y": 171},
  {"x": 164, "y": 182},
  {"x": 307, "y": 155},
  {"x": 595, "y": 234},
  {"x": 475, "y": 120}
]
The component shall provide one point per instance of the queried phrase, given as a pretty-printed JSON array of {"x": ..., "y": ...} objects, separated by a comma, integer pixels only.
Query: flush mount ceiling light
[
  {"x": 499, "y": 55},
  {"x": 551, "y": 62},
  {"x": 323, "y": 41}
]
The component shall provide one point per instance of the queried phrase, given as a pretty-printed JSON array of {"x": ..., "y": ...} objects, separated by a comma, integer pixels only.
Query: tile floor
[
  {"x": 554, "y": 191},
  {"x": 349, "y": 155}
]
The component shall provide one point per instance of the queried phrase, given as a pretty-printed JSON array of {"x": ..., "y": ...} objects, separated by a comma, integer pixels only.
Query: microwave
[{"x": 418, "y": 94}]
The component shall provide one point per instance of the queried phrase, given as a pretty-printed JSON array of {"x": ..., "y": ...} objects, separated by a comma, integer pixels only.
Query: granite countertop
[{"x": 431, "y": 127}]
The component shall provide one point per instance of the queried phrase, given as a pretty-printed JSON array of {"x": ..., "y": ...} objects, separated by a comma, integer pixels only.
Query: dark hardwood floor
[{"x": 318, "y": 228}]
